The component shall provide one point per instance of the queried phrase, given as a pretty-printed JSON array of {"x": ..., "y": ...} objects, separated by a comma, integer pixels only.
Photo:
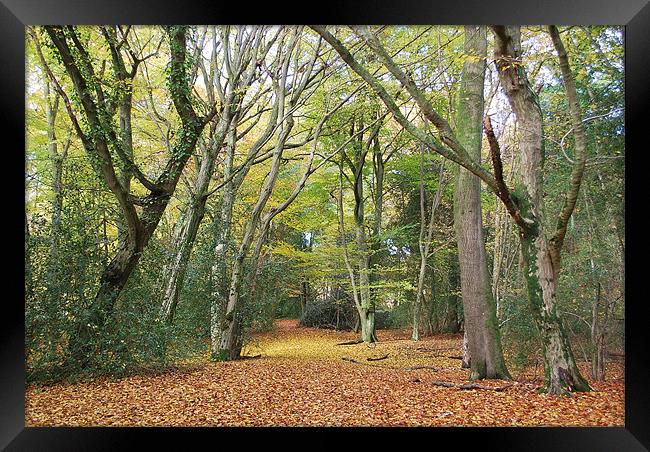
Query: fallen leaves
[{"x": 301, "y": 379}]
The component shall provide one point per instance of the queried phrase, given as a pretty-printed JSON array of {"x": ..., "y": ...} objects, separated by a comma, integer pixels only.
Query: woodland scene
[{"x": 324, "y": 225}]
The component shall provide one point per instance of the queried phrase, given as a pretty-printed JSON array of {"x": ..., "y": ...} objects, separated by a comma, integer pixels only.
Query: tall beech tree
[
  {"x": 243, "y": 54},
  {"x": 541, "y": 256},
  {"x": 288, "y": 91},
  {"x": 481, "y": 328}
]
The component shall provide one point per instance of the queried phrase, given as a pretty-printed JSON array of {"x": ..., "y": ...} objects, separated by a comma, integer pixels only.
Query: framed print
[{"x": 368, "y": 214}]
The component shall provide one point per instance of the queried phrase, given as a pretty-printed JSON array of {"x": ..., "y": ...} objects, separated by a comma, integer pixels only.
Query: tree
[
  {"x": 540, "y": 257},
  {"x": 242, "y": 73},
  {"x": 481, "y": 328},
  {"x": 425, "y": 238},
  {"x": 288, "y": 95},
  {"x": 99, "y": 137}
]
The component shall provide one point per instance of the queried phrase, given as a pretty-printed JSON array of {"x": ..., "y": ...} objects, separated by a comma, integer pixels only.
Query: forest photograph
[{"x": 322, "y": 226}]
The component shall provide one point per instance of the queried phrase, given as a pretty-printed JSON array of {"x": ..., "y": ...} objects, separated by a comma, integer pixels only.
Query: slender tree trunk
[
  {"x": 174, "y": 273},
  {"x": 561, "y": 371},
  {"x": 231, "y": 329},
  {"x": 481, "y": 329},
  {"x": 51, "y": 110},
  {"x": 424, "y": 240},
  {"x": 222, "y": 228},
  {"x": 231, "y": 339},
  {"x": 360, "y": 314},
  {"x": 367, "y": 305}
]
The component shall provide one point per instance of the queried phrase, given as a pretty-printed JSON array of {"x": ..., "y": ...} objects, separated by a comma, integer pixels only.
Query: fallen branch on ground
[
  {"x": 471, "y": 386},
  {"x": 377, "y": 359},
  {"x": 345, "y": 358},
  {"x": 435, "y": 369},
  {"x": 350, "y": 343}
]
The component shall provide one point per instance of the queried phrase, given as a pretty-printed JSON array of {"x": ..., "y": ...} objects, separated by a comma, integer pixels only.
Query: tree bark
[
  {"x": 561, "y": 371},
  {"x": 483, "y": 338}
]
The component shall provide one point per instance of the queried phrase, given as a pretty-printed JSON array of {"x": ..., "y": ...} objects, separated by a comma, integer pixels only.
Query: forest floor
[{"x": 303, "y": 378}]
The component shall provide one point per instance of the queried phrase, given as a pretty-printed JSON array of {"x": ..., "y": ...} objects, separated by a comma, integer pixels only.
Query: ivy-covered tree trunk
[
  {"x": 100, "y": 139},
  {"x": 482, "y": 332},
  {"x": 560, "y": 369},
  {"x": 540, "y": 269}
]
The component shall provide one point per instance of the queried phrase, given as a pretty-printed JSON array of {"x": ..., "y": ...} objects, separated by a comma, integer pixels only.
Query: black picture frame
[{"x": 16, "y": 14}]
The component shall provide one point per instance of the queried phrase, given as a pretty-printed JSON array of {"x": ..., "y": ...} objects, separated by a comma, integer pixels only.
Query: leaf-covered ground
[{"x": 302, "y": 378}]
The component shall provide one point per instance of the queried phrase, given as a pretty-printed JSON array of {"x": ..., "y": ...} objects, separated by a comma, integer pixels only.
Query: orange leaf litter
[{"x": 300, "y": 379}]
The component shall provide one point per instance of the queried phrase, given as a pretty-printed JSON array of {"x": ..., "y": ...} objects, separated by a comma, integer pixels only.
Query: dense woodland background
[{"x": 186, "y": 186}]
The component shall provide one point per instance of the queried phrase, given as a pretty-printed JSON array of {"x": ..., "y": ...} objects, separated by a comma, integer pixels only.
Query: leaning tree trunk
[
  {"x": 99, "y": 140},
  {"x": 184, "y": 240},
  {"x": 561, "y": 371},
  {"x": 481, "y": 329},
  {"x": 174, "y": 272}
]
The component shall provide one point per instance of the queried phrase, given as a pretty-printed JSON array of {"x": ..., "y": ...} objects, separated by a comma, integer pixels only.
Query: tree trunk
[
  {"x": 367, "y": 305},
  {"x": 98, "y": 141},
  {"x": 85, "y": 344},
  {"x": 174, "y": 273},
  {"x": 222, "y": 246},
  {"x": 481, "y": 329},
  {"x": 561, "y": 371}
]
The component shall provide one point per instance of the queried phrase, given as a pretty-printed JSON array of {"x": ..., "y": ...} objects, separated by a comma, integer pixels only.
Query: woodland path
[{"x": 302, "y": 378}]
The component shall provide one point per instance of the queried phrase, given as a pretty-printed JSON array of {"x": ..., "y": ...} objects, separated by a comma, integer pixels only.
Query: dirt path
[{"x": 303, "y": 378}]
